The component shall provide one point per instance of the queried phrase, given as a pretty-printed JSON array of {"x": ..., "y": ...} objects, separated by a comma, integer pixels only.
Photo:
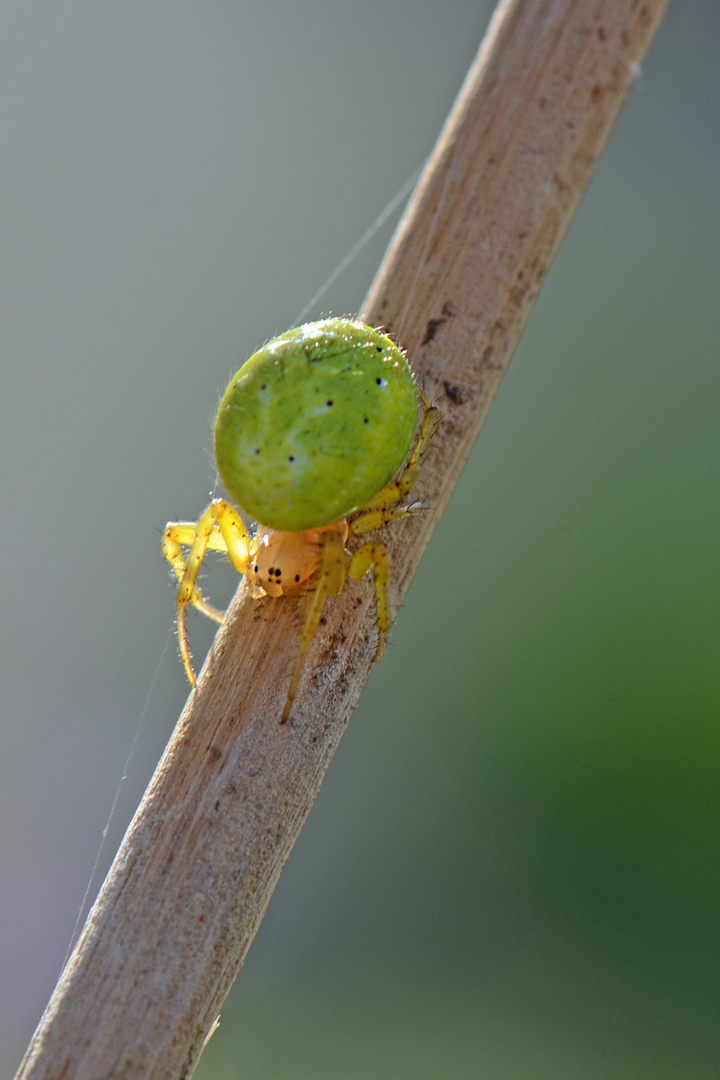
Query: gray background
[{"x": 512, "y": 869}]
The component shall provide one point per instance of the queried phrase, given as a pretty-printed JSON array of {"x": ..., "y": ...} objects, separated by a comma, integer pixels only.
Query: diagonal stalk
[{"x": 190, "y": 884}]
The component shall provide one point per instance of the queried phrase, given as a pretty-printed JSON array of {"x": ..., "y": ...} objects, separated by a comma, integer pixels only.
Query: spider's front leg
[
  {"x": 373, "y": 555},
  {"x": 182, "y": 534},
  {"x": 219, "y": 528},
  {"x": 328, "y": 581}
]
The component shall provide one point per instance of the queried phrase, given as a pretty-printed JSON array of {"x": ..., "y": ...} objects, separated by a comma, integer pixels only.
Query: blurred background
[{"x": 512, "y": 869}]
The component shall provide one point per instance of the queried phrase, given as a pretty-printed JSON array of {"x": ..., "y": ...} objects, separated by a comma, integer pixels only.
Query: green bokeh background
[{"x": 512, "y": 867}]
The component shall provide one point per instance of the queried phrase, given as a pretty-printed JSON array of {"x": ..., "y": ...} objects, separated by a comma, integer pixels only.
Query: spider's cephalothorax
[{"x": 313, "y": 440}]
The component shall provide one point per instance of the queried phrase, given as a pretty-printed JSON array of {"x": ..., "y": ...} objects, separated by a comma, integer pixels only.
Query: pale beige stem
[{"x": 191, "y": 882}]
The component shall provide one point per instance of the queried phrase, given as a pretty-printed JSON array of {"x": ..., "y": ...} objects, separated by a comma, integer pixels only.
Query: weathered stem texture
[{"x": 195, "y": 872}]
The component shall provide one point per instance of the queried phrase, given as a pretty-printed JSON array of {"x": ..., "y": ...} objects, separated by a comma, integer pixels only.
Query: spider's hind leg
[{"x": 398, "y": 488}]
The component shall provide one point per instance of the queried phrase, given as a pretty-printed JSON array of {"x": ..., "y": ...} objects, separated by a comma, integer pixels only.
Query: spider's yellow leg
[
  {"x": 235, "y": 538},
  {"x": 183, "y": 533},
  {"x": 328, "y": 582},
  {"x": 398, "y": 488},
  {"x": 369, "y": 520},
  {"x": 220, "y": 527},
  {"x": 180, "y": 534},
  {"x": 374, "y": 555}
]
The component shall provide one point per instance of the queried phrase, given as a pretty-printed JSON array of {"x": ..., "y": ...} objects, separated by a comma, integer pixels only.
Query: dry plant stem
[{"x": 197, "y": 867}]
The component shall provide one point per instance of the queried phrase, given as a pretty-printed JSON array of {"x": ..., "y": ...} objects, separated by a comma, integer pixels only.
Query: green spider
[{"x": 313, "y": 441}]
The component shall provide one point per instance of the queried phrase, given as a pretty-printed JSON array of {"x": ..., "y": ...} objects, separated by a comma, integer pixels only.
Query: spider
[{"x": 314, "y": 441}]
